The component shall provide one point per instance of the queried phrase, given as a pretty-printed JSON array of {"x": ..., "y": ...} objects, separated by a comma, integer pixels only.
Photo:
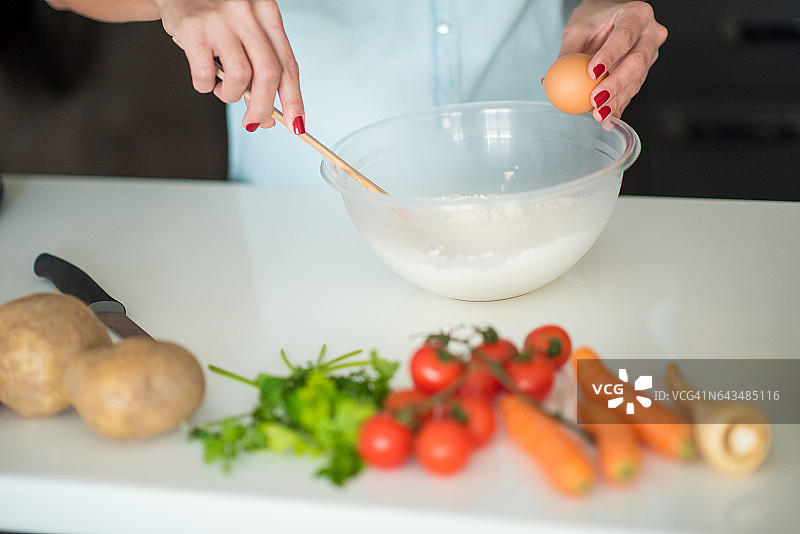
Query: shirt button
[{"x": 443, "y": 28}]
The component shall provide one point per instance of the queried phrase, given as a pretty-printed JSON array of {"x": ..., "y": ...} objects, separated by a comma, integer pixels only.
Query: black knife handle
[{"x": 73, "y": 281}]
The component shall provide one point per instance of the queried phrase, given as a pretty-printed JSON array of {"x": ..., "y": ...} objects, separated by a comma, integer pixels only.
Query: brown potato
[
  {"x": 136, "y": 389},
  {"x": 39, "y": 334}
]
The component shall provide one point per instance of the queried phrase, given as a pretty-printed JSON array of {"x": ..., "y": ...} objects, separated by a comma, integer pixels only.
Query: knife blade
[{"x": 73, "y": 281}]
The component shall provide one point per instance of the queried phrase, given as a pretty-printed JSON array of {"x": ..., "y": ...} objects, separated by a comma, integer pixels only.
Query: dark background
[
  {"x": 84, "y": 97},
  {"x": 719, "y": 115}
]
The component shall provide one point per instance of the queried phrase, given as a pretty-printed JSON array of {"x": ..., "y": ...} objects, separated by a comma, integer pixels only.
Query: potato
[
  {"x": 39, "y": 334},
  {"x": 136, "y": 389}
]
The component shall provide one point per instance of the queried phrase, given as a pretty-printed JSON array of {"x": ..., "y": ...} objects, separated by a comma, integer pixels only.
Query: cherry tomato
[
  {"x": 384, "y": 442},
  {"x": 443, "y": 446},
  {"x": 407, "y": 405},
  {"x": 433, "y": 368},
  {"x": 533, "y": 376},
  {"x": 480, "y": 419},
  {"x": 481, "y": 382},
  {"x": 500, "y": 350},
  {"x": 550, "y": 342}
]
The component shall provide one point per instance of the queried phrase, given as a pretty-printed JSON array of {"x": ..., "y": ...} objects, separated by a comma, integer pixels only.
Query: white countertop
[{"x": 235, "y": 273}]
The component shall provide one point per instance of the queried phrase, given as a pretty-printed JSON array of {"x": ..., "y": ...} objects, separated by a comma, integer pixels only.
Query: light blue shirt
[{"x": 366, "y": 60}]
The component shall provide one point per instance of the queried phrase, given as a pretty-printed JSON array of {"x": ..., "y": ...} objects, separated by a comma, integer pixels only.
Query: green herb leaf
[
  {"x": 281, "y": 438},
  {"x": 344, "y": 463},
  {"x": 315, "y": 410}
]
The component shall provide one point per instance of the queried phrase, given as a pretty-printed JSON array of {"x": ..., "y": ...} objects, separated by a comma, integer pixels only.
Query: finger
[
  {"x": 632, "y": 69},
  {"x": 634, "y": 27},
  {"x": 236, "y": 66},
  {"x": 583, "y": 37},
  {"x": 573, "y": 39},
  {"x": 264, "y": 81},
  {"x": 619, "y": 87},
  {"x": 289, "y": 80},
  {"x": 614, "y": 106},
  {"x": 265, "y": 66},
  {"x": 627, "y": 77},
  {"x": 269, "y": 122},
  {"x": 200, "y": 56},
  {"x": 292, "y": 101}
]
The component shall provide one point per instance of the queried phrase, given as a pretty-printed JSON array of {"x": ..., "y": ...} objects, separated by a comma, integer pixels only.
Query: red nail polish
[
  {"x": 298, "y": 125},
  {"x": 598, "y": 70},
  {"x": 252, "y": 127},
  {"x": 604, "y": 111},
  {"x": 601, "y": 98}
]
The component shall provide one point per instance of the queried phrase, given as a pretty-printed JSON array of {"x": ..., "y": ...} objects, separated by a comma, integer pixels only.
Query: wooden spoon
[{"x": 329, "y": 154}]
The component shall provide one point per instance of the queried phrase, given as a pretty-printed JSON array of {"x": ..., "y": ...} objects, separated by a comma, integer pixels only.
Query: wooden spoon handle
[{"x": 329, "y": 154}]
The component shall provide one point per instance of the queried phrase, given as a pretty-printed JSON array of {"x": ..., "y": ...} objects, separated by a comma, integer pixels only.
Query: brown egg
[{"x": 567, "y": 83}]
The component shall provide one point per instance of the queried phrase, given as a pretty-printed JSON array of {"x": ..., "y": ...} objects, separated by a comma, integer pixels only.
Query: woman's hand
[
  {"x": 623, "y": 38},
  {"x": 249, "y": 39}
]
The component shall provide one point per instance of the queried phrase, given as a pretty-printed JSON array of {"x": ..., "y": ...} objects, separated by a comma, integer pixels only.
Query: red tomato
[
  {"x": 407, "y": 405},
  {"x": 443, "y": 446},
  {"x": 499, "y": 351},
  {"x": 481, "y": 382},
  {"x": 384, "y": 442},
  {"x": 433, "y": 368},
  {"x": 550, "y": 342},
  {"x": 480, "y": 420},
  {"x": 534, "y": 376}
]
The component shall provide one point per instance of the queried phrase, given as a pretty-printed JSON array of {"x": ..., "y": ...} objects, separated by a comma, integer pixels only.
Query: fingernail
[
  {"x": 252, "y": 127},
  {"x": 298, "y": 125},
  {"x": 604, "y": 111},
  {"x": 598, "y": 70},
  {"x": 601, "y": 98}
]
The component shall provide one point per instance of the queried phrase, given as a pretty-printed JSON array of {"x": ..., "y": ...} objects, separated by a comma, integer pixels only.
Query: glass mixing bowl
[{"x": 486, "y": 200}]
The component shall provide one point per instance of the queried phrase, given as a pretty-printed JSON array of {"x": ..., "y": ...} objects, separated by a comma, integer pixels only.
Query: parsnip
[{"x": 733, "y": 437}]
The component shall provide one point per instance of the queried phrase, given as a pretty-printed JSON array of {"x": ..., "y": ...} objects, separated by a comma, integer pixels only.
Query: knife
[{"x": 71, "y": 280}]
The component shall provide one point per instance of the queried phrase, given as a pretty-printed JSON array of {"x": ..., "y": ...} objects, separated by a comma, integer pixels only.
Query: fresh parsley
[{"x": 316, "y": 410}]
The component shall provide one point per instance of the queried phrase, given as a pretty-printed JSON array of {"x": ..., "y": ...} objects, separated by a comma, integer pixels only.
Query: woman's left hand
[{"x": 623, "y": 38}]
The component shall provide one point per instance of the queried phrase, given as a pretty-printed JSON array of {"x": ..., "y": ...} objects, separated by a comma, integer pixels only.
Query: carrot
[
  {"x": 565, "y": 463},
  {"x": 618, "y": 451},
  {"x": 661, "y": 428}
]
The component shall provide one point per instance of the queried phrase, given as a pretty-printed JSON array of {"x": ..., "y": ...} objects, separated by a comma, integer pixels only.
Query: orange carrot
[
  {"x": 565, "y": 463},
  {"x": 658, "y": 426},
  {"x": 618, "y": 451}
]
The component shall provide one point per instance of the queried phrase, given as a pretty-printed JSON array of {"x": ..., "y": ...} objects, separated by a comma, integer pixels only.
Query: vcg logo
[{"x": 642, "y": 383}]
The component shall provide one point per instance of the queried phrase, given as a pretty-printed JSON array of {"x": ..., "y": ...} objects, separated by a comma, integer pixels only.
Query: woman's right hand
[{"x": 249, "y": 39}]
